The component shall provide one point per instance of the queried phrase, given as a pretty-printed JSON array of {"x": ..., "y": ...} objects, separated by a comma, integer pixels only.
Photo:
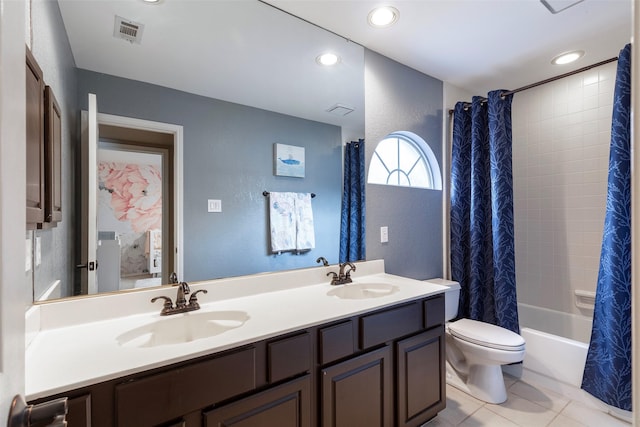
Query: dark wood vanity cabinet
[
  {"x": 396, "y": 375},
  {"x": 384, "y": 368}
]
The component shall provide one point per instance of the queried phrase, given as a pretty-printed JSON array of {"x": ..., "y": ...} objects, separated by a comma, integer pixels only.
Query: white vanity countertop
[{"x": 67, "y": 355}]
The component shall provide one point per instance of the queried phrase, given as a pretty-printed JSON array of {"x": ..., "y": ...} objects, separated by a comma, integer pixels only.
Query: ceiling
[
  {"x": 248, "y": 52},
  {"x": 480, "y": 45}
]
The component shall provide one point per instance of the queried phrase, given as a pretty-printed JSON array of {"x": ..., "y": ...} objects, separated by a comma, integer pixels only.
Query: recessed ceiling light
[
  {"x": 383, "y": 16},
  {"x": 567, "y": 57},
  {"x": 328, "y": 59},
  {"x": 151, "y": 1}
]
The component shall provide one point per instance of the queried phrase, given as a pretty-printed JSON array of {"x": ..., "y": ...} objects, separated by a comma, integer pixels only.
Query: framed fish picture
[{"x": 288, "y": 160}]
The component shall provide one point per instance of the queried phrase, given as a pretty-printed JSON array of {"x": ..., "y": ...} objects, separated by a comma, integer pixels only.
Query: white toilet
[{"x": 476, "y": 351}]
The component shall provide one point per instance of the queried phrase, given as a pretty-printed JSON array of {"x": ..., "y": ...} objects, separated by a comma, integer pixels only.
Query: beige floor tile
[
  {"x": 523, "y": 412},
  {"x": 486, "y": 418},
  {"x": 459, "y": 394},
  {"x": 589, "y": 417},
  {"x": 543, "y": 397},
  {"x": 509, "y": 381},
  {"x": 562, "y": 421},
  {"x": 459, "y": 406},
  {"x": 527, "y": 406},
  {"x": 438, "y": 422}
]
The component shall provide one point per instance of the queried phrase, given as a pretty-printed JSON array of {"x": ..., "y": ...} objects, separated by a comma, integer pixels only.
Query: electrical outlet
[{"x": 384, "y": 234}]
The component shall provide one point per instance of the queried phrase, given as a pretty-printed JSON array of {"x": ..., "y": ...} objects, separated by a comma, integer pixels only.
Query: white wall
[
  {"x": 14, "y": 296},
  {"x": 561, "y": 136}
]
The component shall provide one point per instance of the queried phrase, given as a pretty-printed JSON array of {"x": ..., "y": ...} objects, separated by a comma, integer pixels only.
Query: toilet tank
[{"x": 451, "y": 297}]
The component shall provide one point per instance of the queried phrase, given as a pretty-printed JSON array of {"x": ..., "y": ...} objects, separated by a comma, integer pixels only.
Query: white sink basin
[
  {"x": 182, "y": 328},
  {"x": 363, "y": 290}
]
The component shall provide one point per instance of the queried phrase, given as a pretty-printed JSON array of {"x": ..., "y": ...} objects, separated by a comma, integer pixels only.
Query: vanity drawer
[
  {"x": 162, "y": 397},
  {"x": 79, "y": 411},
  {"x": 288, "y": 357},
  {"x": 390, "y": 324},
  {"x": 434, "y": 311},
  {"x": 336, "y": 342}
]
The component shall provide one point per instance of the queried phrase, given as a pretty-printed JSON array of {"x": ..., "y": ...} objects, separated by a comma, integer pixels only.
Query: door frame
[{"x": 177, "y": 131}]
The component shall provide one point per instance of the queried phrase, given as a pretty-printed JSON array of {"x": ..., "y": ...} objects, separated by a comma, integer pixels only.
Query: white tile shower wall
[{"x": 561, "y": 136}]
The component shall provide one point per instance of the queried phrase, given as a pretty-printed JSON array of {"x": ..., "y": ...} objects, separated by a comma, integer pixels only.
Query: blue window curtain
[
  {"x": 607, "y": 373},
  {"x": 352, "y": 220},
  {"x": 482, "y": 237}
]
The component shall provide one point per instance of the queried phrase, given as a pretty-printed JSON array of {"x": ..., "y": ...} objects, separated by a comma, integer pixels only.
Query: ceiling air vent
[
  {"x": 128, "y": 30},
  {"x": 340, "y": 110}
]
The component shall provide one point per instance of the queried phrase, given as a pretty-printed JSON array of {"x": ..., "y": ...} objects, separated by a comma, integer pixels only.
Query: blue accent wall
[
  {"x": 398, "y": 98},
  {"x": 52, "y": 51},
  {"x": 228, "y": 155}
]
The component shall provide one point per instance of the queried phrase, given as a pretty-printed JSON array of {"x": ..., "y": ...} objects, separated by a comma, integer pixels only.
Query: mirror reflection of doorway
[
  {"x": 145, "y": 145},
  {"x": 131, "y": 201}
]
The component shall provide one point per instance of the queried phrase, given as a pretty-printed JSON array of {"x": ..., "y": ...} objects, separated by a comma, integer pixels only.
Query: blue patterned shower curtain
[
  {"x": 482, "y": 244},
  {"x": 352, "y": 225},
  {"x": 607, "y": 373}
]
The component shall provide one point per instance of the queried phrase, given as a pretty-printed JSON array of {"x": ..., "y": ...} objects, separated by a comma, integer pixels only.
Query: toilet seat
[{"x": 486, "y": 335}]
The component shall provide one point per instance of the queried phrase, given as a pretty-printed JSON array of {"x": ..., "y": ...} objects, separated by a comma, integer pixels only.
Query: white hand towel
[
  {"x": 291, "y": 222},
  {"x": 305, "y": 232},
  {"x": 282, "y": 216}
]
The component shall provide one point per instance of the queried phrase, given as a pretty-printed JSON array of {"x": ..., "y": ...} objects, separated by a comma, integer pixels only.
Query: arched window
[{"x": 404, "y": 159}]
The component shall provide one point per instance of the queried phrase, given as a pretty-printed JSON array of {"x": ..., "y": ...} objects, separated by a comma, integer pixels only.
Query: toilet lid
[{"x": 486, "y": 335}]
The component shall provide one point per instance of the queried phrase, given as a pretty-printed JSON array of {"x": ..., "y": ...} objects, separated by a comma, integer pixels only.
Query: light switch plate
[
  {"x": 38, "y": 251},
  {"x": 214, "y": 205},
  {"x": 27, "y": 255},
  {"x": 384, "y": 234}
]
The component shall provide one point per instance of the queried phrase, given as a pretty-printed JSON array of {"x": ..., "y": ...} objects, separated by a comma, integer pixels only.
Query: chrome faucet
[
  {"x": 182, "y": 306},
  {"x": 342, "y": 277}
]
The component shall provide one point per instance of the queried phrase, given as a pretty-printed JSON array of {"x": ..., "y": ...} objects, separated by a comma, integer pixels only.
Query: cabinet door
[
  {"x": 287, "y": 405},
  {"x": 420, "y": 376},
  {"x": 53, "y": 157},
  {"x": 35, "y": 142},
  {"x": 358, "y": 392}
]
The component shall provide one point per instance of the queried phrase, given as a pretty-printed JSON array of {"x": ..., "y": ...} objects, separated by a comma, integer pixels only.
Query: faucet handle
[
  {"x": 173, "y": 278},
  {"x": 335, "y": 279},
  {"x": 168, "y": 304},
  {"x": 193, "y": 300},
  {"x": 352, "y": 267}
]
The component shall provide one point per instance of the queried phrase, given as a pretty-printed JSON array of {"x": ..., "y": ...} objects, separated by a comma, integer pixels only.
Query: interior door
[{"x": 88, "y": 193}]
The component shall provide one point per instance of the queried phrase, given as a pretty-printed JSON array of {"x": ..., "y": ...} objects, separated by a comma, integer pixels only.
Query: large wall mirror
[{"x": 236, "y": 77}]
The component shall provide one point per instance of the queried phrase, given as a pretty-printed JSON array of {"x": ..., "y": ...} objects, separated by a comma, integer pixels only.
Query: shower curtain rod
[{"x": 549, "y": 80}]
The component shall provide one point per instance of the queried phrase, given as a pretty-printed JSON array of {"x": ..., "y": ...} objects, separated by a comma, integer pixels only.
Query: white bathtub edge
[{"x": 565, "y": 376}]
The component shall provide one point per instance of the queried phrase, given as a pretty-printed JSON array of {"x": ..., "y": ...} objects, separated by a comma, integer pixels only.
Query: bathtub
[{"x": 565, "y": 337}]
